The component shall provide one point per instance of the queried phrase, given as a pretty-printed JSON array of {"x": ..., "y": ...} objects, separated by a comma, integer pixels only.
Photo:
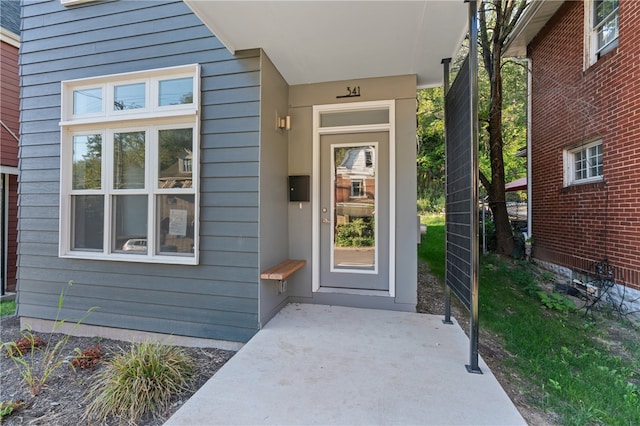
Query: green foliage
[
  {"x": 514, "y": 119},
  {"x": 7, "y": 307},
  {"x": 573, "y": 373},
  {"x": 556, "y": 302},
  {"x": 356, "y": 233},
  {"x": 139, "y": 382},
  {"x": 37, "y": 362},
  {"x": 430, "y": 157},
  {"x": 432, "y": 247}
]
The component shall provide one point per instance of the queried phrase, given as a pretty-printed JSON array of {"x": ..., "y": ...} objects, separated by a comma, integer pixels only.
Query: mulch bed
[{"x": 62, "y": 400}]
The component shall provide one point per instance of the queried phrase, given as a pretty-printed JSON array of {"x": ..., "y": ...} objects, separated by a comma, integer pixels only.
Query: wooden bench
[{"x": 281, "y": 271}]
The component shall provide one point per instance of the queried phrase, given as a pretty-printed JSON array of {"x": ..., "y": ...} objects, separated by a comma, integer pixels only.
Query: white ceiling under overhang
[{"x": 319, "y": 41}]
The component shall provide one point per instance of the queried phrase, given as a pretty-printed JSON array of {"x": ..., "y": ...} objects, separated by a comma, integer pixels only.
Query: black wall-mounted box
[{"x": 299, "y": 188}]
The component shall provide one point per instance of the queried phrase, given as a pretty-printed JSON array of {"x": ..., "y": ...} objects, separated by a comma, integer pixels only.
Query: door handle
[{"x": 325, "y": 220}]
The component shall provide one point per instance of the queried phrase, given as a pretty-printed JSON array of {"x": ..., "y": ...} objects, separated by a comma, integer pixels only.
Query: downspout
[{"x": 529, "y": 177}]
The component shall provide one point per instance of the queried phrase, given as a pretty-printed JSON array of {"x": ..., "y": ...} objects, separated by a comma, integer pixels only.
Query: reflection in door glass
[{"x": 354, "y": 233}]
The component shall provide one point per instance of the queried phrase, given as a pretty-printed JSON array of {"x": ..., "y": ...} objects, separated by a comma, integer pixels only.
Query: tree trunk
[
  {"x": 496, "y": 191},
  {"x": 492, "y": 43}
]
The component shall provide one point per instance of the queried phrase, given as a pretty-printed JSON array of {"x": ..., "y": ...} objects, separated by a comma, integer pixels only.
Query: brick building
[
  {"x": 584, "y": 133},
  {"x": 9, "y": 129}
]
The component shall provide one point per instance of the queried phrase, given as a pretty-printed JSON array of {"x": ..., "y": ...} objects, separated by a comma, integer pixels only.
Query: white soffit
[
  {"x": 322, "y": 40},
  {"x": 532, "y": 21}
]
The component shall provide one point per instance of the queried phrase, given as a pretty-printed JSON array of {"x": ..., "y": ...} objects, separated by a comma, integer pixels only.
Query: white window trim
[
  {"x": 569, "y": 165},
  {"x": 591, "y": 52},
  {"x": 363, "y": 187},
  {"x": 74, "y": 2},
  {"x": 151, "y": 120}
]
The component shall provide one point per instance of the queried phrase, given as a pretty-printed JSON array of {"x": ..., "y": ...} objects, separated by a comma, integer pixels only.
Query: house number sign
[{"x": 352, "y": 92}]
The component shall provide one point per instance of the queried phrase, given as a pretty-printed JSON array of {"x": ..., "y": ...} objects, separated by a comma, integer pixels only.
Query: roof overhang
[
  {"x": 532, "y": 21},
  {"x": 321, "y": 40},
  {"x": 517, "y": 185}
]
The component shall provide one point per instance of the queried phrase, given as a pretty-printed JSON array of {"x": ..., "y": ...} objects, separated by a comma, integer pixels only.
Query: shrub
[
  {"x": 357, "y": 233},
  {"x": 139, "y": 382}
]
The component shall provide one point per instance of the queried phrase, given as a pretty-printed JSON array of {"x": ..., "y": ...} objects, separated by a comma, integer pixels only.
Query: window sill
[
  {"x": 116, "y": 257},
  {"x": 584, "y": 186},
  {"x": 602, "y": 57}
]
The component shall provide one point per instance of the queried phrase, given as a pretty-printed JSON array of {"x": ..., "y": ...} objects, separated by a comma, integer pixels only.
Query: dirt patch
[{"x": 62, "y": 400}]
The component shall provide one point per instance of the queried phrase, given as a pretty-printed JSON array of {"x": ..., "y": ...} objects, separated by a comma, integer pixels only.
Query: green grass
[
  {"x": 556, "y": 349},
  {"x": 432, "y": 247},
  {"x": 7, "y": 307}
]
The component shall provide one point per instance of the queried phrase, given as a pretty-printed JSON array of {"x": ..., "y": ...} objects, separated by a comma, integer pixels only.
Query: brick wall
[
  {"x": 9, "y": 104},
  {"x": 579, "y": 225}
]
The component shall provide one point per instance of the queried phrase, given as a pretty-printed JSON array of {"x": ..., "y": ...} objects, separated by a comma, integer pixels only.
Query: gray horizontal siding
[{"x": 216, "y": 299}]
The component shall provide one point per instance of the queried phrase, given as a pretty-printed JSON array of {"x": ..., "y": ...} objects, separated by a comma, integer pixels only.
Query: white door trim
[{"x": 315, "y": 180}]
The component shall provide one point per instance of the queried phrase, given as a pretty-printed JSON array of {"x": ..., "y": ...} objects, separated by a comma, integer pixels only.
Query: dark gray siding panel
[{"x": 216, "y": 299}]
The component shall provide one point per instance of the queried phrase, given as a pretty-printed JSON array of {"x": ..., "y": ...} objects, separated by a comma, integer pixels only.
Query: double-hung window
[
  {"x": 357, "y": 188},
  {"x": 584, "y": 164},
  {"x": 601, "y": 21},
  {"x": 129, "y": 167}
]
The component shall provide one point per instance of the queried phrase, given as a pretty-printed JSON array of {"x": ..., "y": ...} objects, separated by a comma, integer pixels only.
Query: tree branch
[{"x": 484, "y": 181}]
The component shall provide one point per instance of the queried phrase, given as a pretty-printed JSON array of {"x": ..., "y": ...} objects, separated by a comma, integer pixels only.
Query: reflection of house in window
[
  {"x": 355, "y": 182},
  {"x": 185, "y": 164},
  {"x": 357, "y": 188},
  {"x": 179, "y": 173}
]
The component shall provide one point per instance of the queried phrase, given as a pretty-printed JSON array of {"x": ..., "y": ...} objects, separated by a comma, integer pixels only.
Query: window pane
[
  {"x": 176, "y": 218},
  {"x": 605, "y": 22},
  {"x": 87, "y": 162},
  {"x": 595, "y": 161},
  {"x": 176, "y": 91},
  {"x": 129, "y": 96},
  {"x": 88, "y": 222},
  {"x": 603, "y": 8},
  {"x": 354, "y": 230},
  {"x": 580, "y": 165},
  {"x": 87, "y": 101},
  {"x": 130, "y": 224},
  {"x": 354, "y": 118},
  {"x": 175, "y": 152},
  {"x": 128, "y": 160}
]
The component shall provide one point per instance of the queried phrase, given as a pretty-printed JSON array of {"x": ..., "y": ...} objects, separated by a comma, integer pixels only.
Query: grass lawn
[
  {"x": 585, "y": 370},
  {"x": 7, "y": 308}
]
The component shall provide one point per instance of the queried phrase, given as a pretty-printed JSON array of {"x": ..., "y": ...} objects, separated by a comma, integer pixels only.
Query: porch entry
[{"x": 353, "y": 217}]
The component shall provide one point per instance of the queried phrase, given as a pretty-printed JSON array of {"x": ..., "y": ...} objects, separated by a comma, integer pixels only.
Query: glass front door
[{"x": 354, "y": 211}]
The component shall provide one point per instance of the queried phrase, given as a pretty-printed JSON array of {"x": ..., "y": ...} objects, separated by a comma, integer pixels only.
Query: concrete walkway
[{"x": 328, "y": 365}]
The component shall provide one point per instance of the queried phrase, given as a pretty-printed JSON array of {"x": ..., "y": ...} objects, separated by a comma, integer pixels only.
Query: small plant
[
  {"x": 556, "y": 302},
  {"x": 7, "y": 408},
  {"x": 139, "y": 382},
  {"x": 44, "y": 356},
  {"x": 29, "y": 342},
  {"x": 88, "y": 358}
]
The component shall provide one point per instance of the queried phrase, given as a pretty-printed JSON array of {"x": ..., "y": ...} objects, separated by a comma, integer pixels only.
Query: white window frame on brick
[
  {"x": 583, "y": 158},
  {"x": 155, "y": 184},
  {"x": 594, "y": 49}
]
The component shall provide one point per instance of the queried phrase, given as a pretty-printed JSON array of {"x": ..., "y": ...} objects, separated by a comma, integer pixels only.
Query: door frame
[{"x": 318, "y": 131}]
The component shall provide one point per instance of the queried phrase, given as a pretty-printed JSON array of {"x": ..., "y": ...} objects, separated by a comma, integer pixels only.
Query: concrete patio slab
[{"x": 329, "y": 365}]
